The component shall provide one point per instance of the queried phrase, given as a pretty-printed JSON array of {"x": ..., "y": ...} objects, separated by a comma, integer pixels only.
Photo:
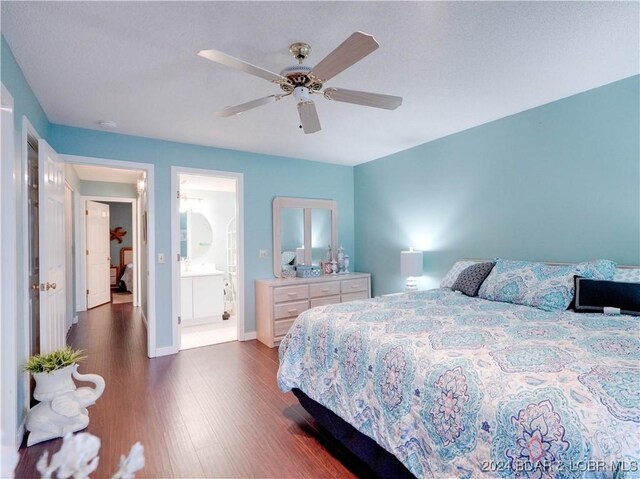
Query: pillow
[
  {"x": 470, "y": 278},
  {"x": 596, "y": 296},
  {"x": 453, "y": 273},
  {"x": 539, "y": 285},
  {"x": 627, "y": 275},
  {"x": 597, "y": 269}
]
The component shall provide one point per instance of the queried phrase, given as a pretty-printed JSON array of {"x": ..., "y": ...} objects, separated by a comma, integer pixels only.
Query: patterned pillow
[
  {"x": 452, "y": 275},
  {"x": 603, "y": 269},
  {"x": 539, "y": 285},
  {"x": 627, "y": 275},
  {"x": 470, "y": 279}
]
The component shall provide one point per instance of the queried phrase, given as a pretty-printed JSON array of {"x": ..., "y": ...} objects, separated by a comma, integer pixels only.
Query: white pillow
[{"x": 452, "y": 275}]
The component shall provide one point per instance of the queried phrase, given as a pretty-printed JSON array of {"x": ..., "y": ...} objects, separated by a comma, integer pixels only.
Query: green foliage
[{"x": 61, "y": 358}]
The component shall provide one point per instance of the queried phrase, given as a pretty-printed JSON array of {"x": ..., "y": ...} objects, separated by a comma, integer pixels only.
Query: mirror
[
  {"x": 196, "y": 235},
  {"x": 302, "y": 230}
]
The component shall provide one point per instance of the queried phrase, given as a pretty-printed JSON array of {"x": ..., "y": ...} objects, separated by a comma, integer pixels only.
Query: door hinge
[
  {"x": 179, "y": 320},
  {"x": 87, "y": 291},
  {"x": 87, "y": 252},
  {"x": 178, "y": 194},
  {"x": 178, "y": 257},
  {"x": 86, "y": 212}
]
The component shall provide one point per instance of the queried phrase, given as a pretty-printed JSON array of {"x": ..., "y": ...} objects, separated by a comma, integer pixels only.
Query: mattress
[{"x": 463, "y": 387}]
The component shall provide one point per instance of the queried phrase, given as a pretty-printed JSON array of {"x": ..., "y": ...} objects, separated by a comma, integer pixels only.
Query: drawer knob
[
  {"x": 292, "y": 294},
  {"x": 324, "y": 290},
  {"x": 291, "y": 311},
  {"x": 353, "y": 286}
]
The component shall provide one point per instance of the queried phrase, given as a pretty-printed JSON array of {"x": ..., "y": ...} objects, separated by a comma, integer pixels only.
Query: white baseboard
[
  {"x": 166, "y": 351},
  {"x": 75, "y": 319},
  {"x": 249, "y": 336}
]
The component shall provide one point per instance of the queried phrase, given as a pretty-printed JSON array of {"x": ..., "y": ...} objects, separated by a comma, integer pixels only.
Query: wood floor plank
[{"x": 213, "y": 412}]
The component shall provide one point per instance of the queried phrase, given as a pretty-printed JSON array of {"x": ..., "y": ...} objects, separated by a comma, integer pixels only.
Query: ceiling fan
[{"x": 302, "y": 81}]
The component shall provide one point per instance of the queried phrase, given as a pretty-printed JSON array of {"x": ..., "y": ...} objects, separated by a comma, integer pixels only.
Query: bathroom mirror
[
  {"x": 196, "y": 235},
  {"x": 302, "y": 230}
]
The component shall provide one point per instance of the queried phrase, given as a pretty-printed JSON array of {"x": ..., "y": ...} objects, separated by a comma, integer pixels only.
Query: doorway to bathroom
[{"x": 207, "y": 274}]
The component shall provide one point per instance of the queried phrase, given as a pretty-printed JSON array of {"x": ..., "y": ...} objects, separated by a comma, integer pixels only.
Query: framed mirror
[{"x": 302, "y": 230}]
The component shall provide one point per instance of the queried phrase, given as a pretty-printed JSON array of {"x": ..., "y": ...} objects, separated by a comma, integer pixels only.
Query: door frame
[
  {"x": 176, "y": 171},
  {"x": 81, "y": 301},
  {"x": 28, "y": 130},
  {"x": 149, "y": 170},
  {"x": 9, "y": 435}
]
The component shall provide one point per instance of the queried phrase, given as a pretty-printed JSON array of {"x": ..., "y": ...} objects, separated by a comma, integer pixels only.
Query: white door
[
  {"x": 98, "y": 259},
  {"x": 51, "y": 249}
]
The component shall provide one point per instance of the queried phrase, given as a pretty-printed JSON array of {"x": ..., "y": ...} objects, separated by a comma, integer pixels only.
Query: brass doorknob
[
  {"x": 51, "y": 286},
  {"x": 35, "y": 287}
]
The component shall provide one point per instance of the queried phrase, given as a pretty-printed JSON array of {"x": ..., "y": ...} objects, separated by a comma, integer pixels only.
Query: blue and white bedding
[{"x": 465, "y": 387}]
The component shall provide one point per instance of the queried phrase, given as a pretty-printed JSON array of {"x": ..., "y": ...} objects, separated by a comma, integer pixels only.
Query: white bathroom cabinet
[{"x": 201, "y": 298}]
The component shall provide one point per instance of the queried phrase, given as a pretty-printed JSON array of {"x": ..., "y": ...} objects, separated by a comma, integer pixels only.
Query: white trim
[
  {"x": 75, "y": 319},
  {"x": 81, "y": 241},
  {"x": 166, "y": 351},
  {"x": 176, "y": 171},
  {"x": 144, "y": 319},
  {"x": 250, "y": 336},
  {"x": 27, "y": 129},
  {"x": 8, "y": 293},
  {"x": 149, "y": 169}
]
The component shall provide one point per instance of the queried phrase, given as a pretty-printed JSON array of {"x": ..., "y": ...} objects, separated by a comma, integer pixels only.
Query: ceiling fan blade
[
  {"x": 376, "y": 100},
  {"x": 352, "y": 50},
  {"x": 233, "y": 62},
  {"x": 234, "y": 110},
  {"x": 309, "y": 117}
]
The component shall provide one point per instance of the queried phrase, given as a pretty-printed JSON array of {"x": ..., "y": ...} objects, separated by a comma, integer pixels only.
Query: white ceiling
[
  {"x": 109, "y": 175},
  {"x": 457, "y": 65},
  {"x": 206, "y": 183}
]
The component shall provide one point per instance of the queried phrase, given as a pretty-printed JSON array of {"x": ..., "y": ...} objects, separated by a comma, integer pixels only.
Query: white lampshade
[{"x": 411, "y": 263}]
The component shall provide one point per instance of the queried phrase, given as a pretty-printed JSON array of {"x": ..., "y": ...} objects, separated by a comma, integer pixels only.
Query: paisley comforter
[{"x": 463, "y": 387}]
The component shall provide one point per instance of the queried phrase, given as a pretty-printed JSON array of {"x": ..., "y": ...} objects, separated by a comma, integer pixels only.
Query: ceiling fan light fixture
[{"x": 301, "y": 93}]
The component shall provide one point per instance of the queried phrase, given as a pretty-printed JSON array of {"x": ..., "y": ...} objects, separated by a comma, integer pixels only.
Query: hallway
[{"x": 214, "y": 411}]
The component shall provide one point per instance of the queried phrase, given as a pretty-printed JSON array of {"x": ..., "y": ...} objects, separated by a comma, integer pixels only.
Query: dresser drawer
[
  {"x": 280, "y": 328},
  {"x": 289, "y": 310},
  {"x": 355, "y": 296},
  {"x": 290, "y": 293},
  {"x": 355, "y": 285},
  {"x": 324, "y": 289},
  {"x": 326, "y": 300}
]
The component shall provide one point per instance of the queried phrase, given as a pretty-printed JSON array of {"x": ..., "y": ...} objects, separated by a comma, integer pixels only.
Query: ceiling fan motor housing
[{"x": 301, "y": 93}]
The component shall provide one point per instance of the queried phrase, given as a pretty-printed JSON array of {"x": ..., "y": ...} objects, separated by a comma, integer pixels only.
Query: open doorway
[{"x": 207, "y": 245}]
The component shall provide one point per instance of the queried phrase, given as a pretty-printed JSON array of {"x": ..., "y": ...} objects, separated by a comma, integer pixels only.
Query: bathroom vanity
[{"x": 201, "y": 297}]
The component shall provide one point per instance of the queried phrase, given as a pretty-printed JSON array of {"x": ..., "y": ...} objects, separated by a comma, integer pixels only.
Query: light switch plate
[
  {"x": 263, "y": 253},
  {"x": 160, "y": 257}
]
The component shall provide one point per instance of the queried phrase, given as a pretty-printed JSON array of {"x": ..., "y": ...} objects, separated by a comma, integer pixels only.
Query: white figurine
[{"x": 62, "y": 407}]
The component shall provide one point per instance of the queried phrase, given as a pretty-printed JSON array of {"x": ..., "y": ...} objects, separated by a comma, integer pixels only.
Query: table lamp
[{"x": 411, "y": 267}]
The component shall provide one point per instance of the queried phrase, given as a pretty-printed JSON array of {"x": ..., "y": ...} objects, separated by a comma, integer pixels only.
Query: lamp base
[{"x": 412, "y": 284}]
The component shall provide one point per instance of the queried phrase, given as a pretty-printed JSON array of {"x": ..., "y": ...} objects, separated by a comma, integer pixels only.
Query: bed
[
  {"x": 457, "y": 386},
  {"x": 126, "y": 269}
]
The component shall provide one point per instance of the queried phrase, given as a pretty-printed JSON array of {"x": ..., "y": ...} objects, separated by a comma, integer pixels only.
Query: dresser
[{"x": 280, "y": 301}]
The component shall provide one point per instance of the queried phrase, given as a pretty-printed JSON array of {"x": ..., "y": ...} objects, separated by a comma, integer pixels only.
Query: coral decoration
[{"x": 117, "y": 233}]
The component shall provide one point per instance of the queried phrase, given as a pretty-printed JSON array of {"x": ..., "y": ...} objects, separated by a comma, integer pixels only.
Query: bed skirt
[{"x": 385, "y": 464}]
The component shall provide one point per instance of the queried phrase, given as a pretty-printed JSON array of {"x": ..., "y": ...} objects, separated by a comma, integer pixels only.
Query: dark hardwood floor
[{"x": 208, "y": 412}]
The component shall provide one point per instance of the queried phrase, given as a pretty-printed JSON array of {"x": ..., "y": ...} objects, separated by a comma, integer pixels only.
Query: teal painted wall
[
  {"x": 105, "y": 188},
  {"x": 264, "y": 177},
  {"x": 560, "y": 182}
]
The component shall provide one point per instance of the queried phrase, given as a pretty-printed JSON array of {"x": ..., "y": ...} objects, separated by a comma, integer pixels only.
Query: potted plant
[{"x": 62, "y": 407}]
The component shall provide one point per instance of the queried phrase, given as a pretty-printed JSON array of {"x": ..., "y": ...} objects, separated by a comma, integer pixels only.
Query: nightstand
[{"x": 114, "y": 277}]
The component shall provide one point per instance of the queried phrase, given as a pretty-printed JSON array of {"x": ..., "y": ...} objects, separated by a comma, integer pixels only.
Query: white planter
[{"x": 62, "y": 407}]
